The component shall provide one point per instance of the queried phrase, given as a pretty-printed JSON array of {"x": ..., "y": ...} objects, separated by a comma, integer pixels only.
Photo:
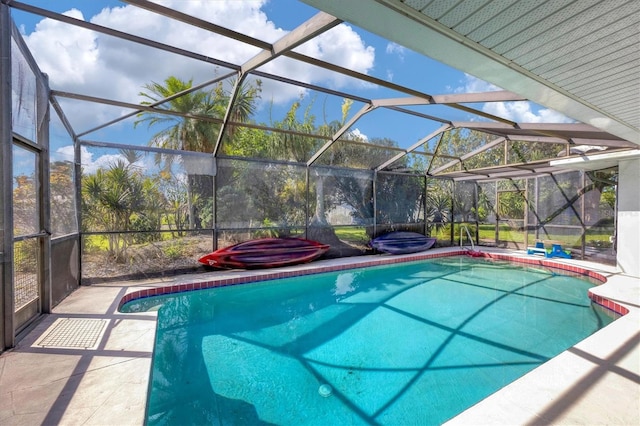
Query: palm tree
[
  {"x": 179, "y": 132},
  {"x": 295, "y": 147},
  {"x": 188, "y": 132},
  {"x": 110, "y": 198},
  {"x": 131, "y": 155},
  {"x": 438, "y": 209}
]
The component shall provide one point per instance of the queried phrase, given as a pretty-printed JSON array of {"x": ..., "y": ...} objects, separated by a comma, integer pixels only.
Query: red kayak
[{"x": 265, "y": 253}]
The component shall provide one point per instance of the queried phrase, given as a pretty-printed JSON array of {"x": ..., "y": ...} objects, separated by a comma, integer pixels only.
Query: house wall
[{"x": 628, "y": 244}]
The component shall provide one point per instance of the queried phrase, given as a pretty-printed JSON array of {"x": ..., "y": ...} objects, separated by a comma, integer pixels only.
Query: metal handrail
[{"x": 473, "y": 248}]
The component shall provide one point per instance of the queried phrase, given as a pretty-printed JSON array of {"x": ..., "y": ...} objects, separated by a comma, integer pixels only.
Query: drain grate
[{"x": 73, "y": 333}]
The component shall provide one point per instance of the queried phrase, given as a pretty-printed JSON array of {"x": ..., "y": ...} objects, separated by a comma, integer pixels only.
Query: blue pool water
[{"x": 414, "y": 343}]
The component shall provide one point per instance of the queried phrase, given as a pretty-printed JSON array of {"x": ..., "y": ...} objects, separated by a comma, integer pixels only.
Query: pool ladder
[{"x": 473, "y": 248}]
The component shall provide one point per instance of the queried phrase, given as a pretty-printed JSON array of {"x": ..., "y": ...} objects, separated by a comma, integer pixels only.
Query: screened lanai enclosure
[{"x": 227, "y": 137}]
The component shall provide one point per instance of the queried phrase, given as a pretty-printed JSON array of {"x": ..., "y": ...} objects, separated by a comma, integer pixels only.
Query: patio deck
[{"x": 595, "y": 382}]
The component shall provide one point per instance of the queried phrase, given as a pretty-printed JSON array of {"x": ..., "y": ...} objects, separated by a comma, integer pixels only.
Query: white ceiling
[{"x": 581, "y": 58}]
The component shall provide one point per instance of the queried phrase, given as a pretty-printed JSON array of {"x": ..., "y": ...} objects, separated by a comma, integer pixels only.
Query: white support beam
[
  {"x": 597, "y": 161},
  {"x": 603, "y": 142},
  {"x": 483, "y": 125},
  {"x": 365, "y": 109},
  {"x": 318, "y": 24},
  {"x": 469, "y": 155},
  {"x": 545, "y": 139},
  {"x": 467, "y": 98},
  {"x": 413, "y": 147},
  {"x": 400, "y": 101}
]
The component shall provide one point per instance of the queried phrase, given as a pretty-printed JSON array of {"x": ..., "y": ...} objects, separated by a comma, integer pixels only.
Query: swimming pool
[{"x": 414, "y": 343}]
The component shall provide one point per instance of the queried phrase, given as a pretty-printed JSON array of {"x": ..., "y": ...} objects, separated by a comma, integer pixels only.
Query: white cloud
[
  {"x": 91, "y": 165},
  {"x": 389, "y": 75},
  {"x": 396, "y": 49},
  {"x": 340, "y": 46},
  {"x": 83, "y": 61},
  {"x": 357, "y": 135},
  {"x": 65, "y": 153},
  {"x": 521, "y": 111},
  {"x": 471, "y": 84}
]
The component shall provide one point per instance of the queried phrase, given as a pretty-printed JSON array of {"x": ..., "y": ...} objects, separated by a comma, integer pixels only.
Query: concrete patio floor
[{"x": 595, "y": 382}]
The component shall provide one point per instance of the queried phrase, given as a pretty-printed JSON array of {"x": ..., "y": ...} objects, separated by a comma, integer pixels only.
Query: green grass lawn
[
  {"x": 353, "y": 234},
  {"x": 597, "y": 237}
]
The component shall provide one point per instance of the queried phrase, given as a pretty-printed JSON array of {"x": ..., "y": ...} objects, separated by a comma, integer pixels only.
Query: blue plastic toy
[
  {"x": 538, "y": 249},
  {"x": 556, "y": 250}
]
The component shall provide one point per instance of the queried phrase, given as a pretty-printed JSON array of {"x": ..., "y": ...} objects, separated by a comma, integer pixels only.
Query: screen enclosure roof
[{"x": 580, "y": 59}]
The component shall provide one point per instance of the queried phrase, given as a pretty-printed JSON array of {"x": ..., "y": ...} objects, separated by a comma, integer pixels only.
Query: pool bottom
[{"x": 426, "y": 366}]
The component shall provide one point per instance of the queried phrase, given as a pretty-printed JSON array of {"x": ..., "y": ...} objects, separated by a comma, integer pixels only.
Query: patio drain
[{"x": 73, "y": 333}]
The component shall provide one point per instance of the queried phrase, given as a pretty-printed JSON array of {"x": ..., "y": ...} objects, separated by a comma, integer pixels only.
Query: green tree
[
  {"x": 25, "y": 220},
  {"x": 117, "y": 200},
  {"x": 63, "y": 207},
  {"x": 511, "y": 205},
  {"x": 190, "y": 131},
  {"x": 293, "y": 145},
  {"x": 458, "y": 142},
  {"x": 179, "y": 132},
  {"x": 524, "y": 152},
  {"x": 439, "y": 203},
  {"x": 399, "y": 198}
]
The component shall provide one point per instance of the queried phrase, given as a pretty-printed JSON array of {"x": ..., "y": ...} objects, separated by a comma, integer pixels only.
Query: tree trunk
[
  {"x": 319, "y": 229},
  {"x": 190, "y": 206},
  {"x": 319, "y": 217}
]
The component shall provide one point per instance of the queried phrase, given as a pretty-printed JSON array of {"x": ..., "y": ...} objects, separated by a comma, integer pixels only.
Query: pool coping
[{"x": 310, "y": 269}]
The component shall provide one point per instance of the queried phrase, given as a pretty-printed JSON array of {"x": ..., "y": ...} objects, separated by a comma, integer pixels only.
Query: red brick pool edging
[
  {"x": 178, "y": 288},
  {"x": 609, "y": 304}
]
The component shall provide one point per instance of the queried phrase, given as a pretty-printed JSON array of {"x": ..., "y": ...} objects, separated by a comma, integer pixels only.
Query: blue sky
[{"x": 80, "y": 61}]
